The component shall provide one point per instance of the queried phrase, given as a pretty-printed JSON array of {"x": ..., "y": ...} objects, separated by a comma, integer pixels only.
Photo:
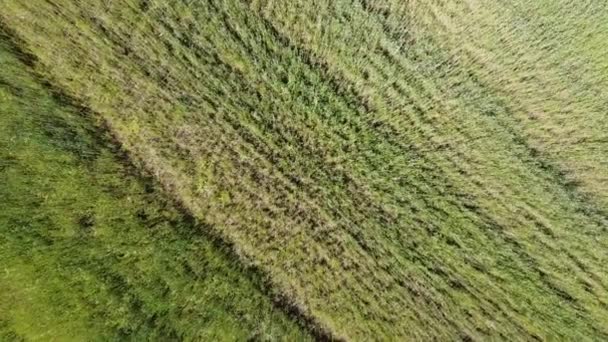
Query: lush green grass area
[
  {"x": 90, "y": 252},
  {"x": 400, "y": 169}
]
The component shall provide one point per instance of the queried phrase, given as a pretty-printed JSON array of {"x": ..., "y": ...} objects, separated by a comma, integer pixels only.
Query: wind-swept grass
[
  {"x": 90, "y": 251},
  {"x": 400, "y": 169}
]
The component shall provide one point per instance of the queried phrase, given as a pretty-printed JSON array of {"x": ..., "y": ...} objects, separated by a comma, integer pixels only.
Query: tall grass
[
  {"x": 91, "y": 251},
  {"x": 400, "y": 170}
]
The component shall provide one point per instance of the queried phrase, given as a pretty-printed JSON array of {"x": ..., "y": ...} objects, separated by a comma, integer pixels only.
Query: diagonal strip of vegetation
[
  {"x": 327, "y": 151},
  {"x": 97, "y": 249}
]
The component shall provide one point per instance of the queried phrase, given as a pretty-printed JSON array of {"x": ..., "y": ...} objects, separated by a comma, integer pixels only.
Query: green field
[
  {"x": 389, "y": 169},
  {"x": 90, "y": 252}
]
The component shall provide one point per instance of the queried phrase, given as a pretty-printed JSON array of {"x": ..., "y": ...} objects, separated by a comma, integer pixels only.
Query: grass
[
  {"x": 90, "y": 251},
  {"x": 399, "y": 170}
]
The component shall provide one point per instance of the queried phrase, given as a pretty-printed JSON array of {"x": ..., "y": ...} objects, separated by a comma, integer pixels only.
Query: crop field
[
  {"x": 339, "y": 169},
  {"x": 89, "y": 252}
]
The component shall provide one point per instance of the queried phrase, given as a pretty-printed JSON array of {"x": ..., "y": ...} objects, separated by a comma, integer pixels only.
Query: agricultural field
[
  {"x": 348, "y": 169},
  {"x": 91, "y": 252}
]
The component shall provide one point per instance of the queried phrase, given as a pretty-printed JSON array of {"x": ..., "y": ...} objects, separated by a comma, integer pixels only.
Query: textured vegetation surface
[
  {"x": 89, "y": 252},
  {"x": 397, "y": 169}
]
